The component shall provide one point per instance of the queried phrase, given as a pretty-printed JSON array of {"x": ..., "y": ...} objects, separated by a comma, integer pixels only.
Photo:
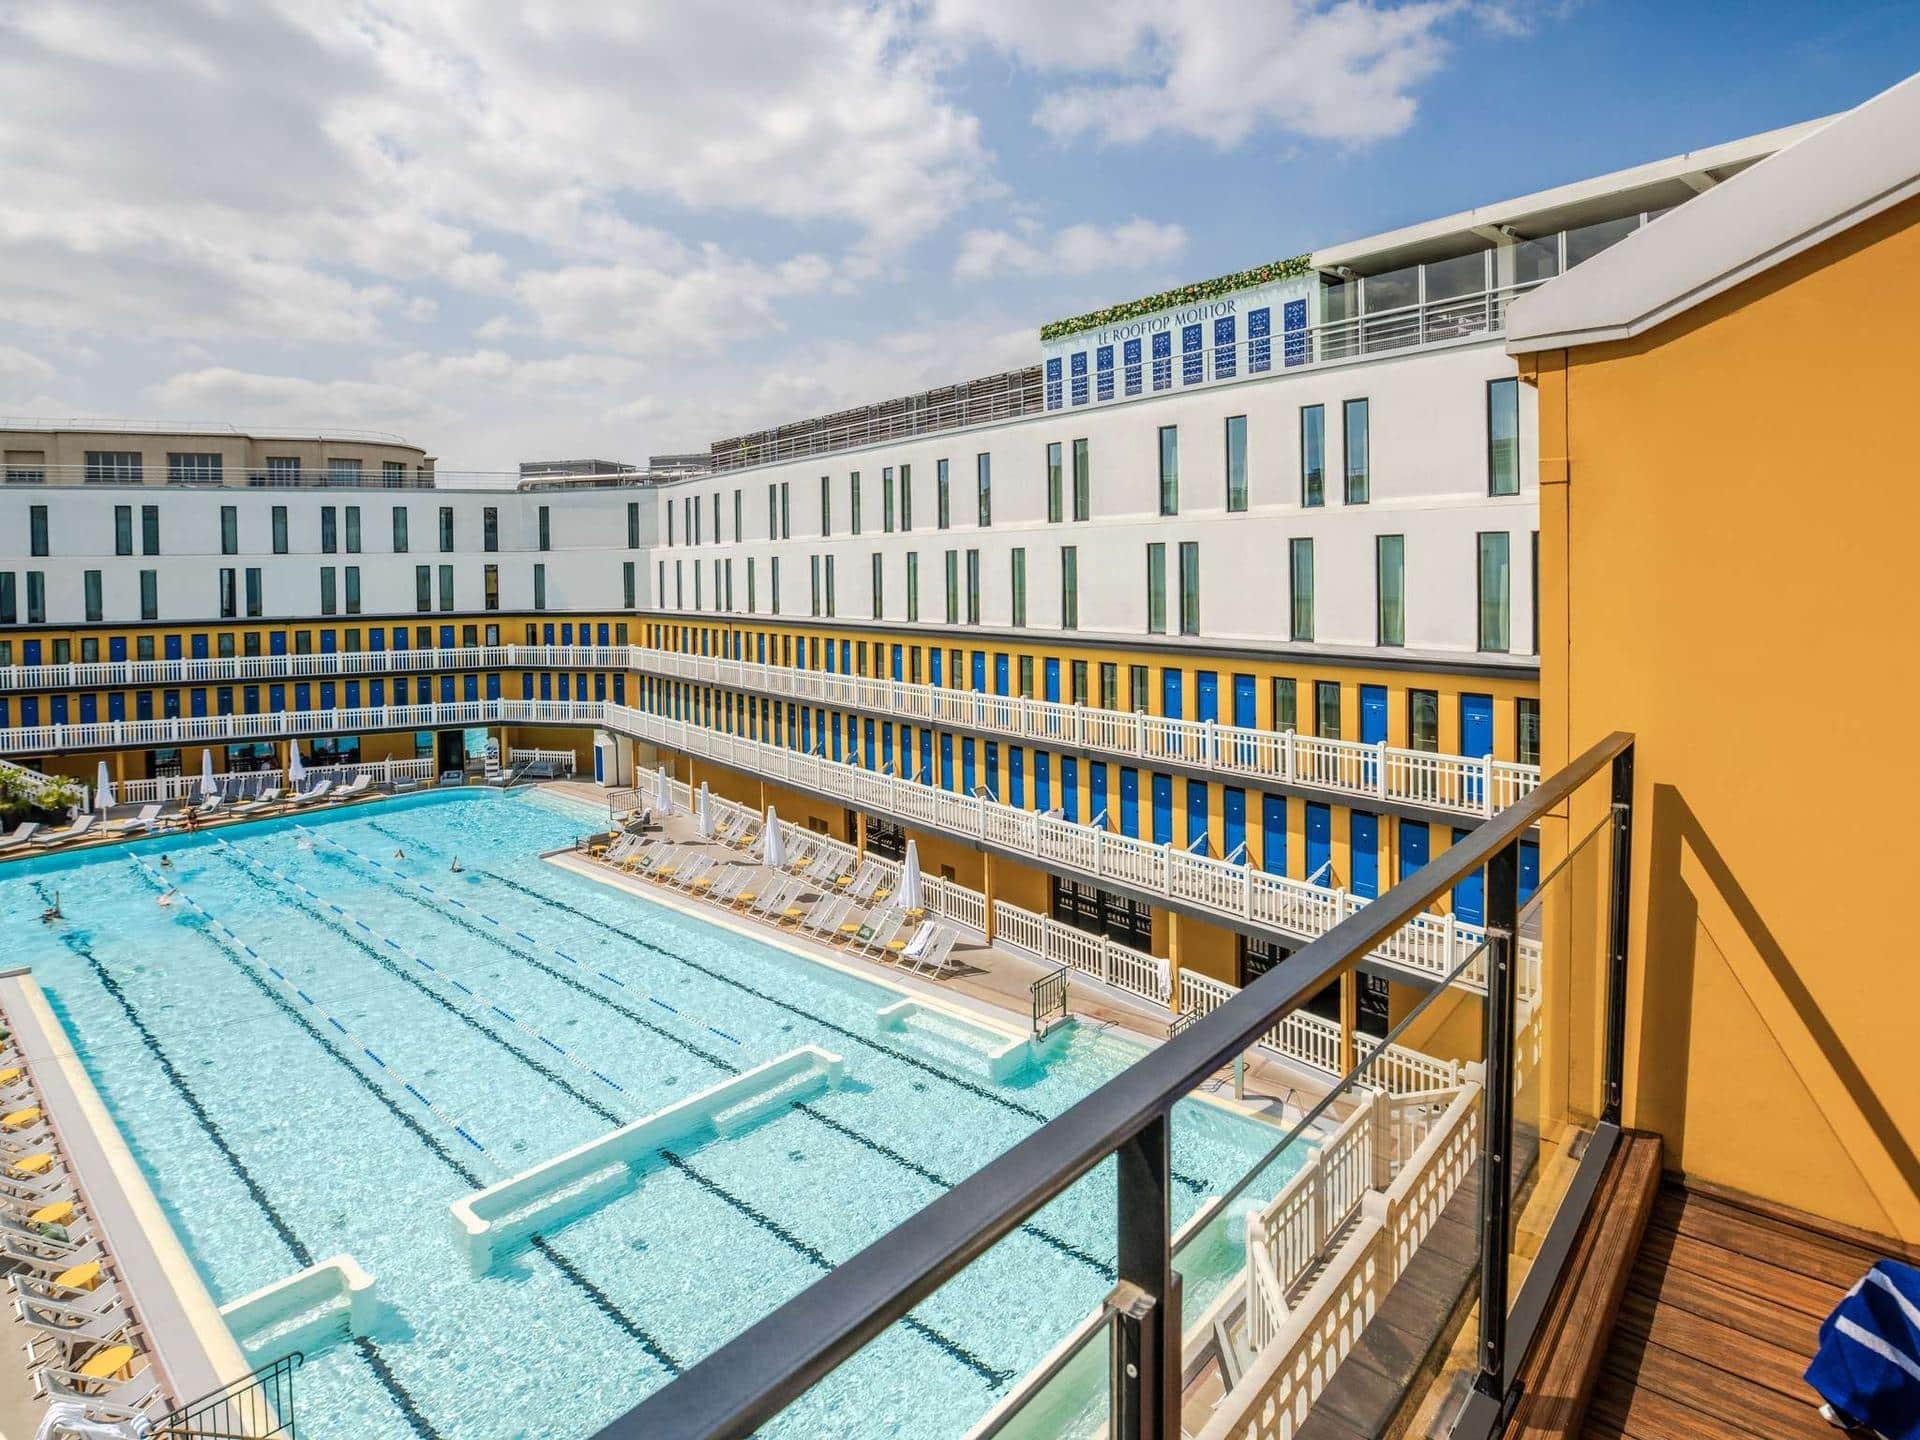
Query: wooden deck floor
[{"x": 1721, "y": 1315}]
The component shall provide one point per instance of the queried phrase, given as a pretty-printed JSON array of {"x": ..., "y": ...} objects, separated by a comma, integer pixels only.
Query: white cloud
[
  {"x": 1216, "y": 70},
  {"x": 18, "y": 368},
  {"x": 1076, "y": 250},
  {"x": 221, "y": 393}
]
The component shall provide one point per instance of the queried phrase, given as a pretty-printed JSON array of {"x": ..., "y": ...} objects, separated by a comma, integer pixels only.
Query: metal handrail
[
  {"x": 749, "y": 1380},
  {"x": 257, "y": 1406}
]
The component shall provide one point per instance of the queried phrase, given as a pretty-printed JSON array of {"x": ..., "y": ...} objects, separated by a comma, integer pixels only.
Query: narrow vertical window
[
  {"x": 96, "y": 610},
  {"x": 490, "y": 528},
  {"x": 879, "y": 607},
  {"x": 123, "y": 527},
  {"x": 327, "y": 584},
  {"x": 149, "y": 595},
  {"x": 353, "y": 589},
  {"x": 1189, "y": 587},
  {"x": 943, "y": 512},
  {"x": 446, "y": 587},
  {"x": 786, "y": 513},
  {"x": 1326, "y": 709},
  {"x": 953, "y": 587},
  {"x": 1082, "y": 481},
  {"x": 280, "y": 530},
  {"x": 1300, "y": 580},
  {"x": 1313, "y": 456},
  {"x": 1156, "y": 588},
  {"x": 983, "y": 478},
  {"x": 853, "y": 503},
  {"x": 633, "y": 524},
  {"x": 1495, "y": 586},
  {"x": 1019, "y": 558},
  {"x": 256, "y": 596},
  {"x": 831, "y": 608},
  {"x": 1286, "y": 703},
  {"x": 539, "y": 586},
  {"x": 1527, "y": 728},
  {"x": 773, "y": 584},
  {"x": 423, "y": 588},
  {"x": 1359, "y": 483},
  {"x": 329, "y": 530},
  {"x": 546, "y": 527},
  {"x": 353, "y": 529},
  {"x": 1169, "y": 469},
  {"x": 1503, "y": 437},
  {"x": 1423, "y": 720},
  {"x": 913, "y": 585},
  {"x": 1390, "y": 589},
  {"x": 886, "y": 499},
  {"x": 446, "y": 529},
  {"x": 149, "y": 529},
  {"x": 1070, "y": 588},
  {"x": 37, "y": 527},
  {"x": 906, "y": 498},
  {"x": 399, "y": 529},
  {"x": 973, "y": 587},
  {"x": 736, "y": 517},
  {"x": 816, "y": 585},
  {"x": 490, "y": 585},
  {"x": 229, "y": 530},
  {"x": 1236, "y": 462},
  {"x": 1056, "y": 510}
]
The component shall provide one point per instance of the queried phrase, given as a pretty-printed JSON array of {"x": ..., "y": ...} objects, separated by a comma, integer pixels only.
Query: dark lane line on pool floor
[
  {"x": 1057, "y": 1242},
  {"x": 303, "y": 1258},
  {"x": 952, "y": 1347},
  {"x": 594, "y": 1294}
]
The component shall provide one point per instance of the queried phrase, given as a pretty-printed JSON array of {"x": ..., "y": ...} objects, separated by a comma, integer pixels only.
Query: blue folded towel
[{"x": 1868, "y": 1365}]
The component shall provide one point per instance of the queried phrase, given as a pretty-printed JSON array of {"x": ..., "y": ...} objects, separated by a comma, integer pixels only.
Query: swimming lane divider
[
  {"x": 541, "y": 945},
  {"x": 473, "y": 997},
  {"x": 588, "y": 1175},
  {"x": 219, "y": 927}
]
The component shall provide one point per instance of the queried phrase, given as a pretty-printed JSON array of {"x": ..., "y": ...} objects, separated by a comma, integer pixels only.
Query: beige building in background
[{"x": 101, "y": 453}]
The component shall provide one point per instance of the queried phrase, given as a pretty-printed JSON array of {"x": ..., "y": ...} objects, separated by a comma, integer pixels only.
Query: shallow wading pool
[{"x": 333, "y": 1037}]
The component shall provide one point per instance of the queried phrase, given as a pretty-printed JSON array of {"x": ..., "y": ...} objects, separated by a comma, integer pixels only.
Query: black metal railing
[
  {"x": 1049, "y": 997},
  {"x": 256, "y": 1407},
  {"x": 753, "y": 1377}
]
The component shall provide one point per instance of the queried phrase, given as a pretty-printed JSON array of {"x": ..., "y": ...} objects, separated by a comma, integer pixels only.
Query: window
[
  {"x": 1326, "y": 709},
  {"x": 1189, "y": 587},
  {"x": 942, "y": 511},
  {"x": 279, "y": 529},
  {"x": 149, "y": 595},
  {"x": 1390, "y": 589},
  {"x": 786, "y": 515},
  {"x": 1109, "y": 686},
  {"x": 149, "y": 529},
  {"x": 329, "y": 530},
  {"x": 329, "y": 602},
  {"x": 490, "y": 528},
  {"x": 913, "y": 585},
  {"x": 737, "y": 536},
  {"x": 423, "y": 588},
  {"x": 1300, "y": 577},
  {"x": 446, "y": 587},
  {"x": 256, "y": 599},
  {"x": 1082, "y": 481},
  {"x": 343, "y": 472},
  {"x": 773, "y": 584},
  {"x": 1026, "y": 677},
  {"x": 983, "y": 482},
  {"x": 1286, "y": 703},
  {"x": 633, "y": 520},
  {"x": 540, "y": 586},
  {"x": 1527, "y": 729},
  {"x": 1156, "y": 588},
  {"x": 1079, "y": 682},
  {"x": 973, "y": 587},
  {"x": 114, "y": 467},
  {"x": 9, "y": 607},
  {"x": 26, "y": 467},
  {"x": 96, "y": 610},
  {"x": 446, "y": 529},
  {"x": 1503, "y": 437},
  {"x": 1056, "y": 501},
  {"x": 399, "y": 529},
  {"x": 490, "y": 586},
  {"x": 1236, "y": 462},
  {"x": 878, "y": 609},
  {"x": 1169, "y": 469},
  {"x": 628, "y": 584},
  {"x": 953, "y": 587},
  {"x": 1070, "y": 589},
  {"x": 393, "y": 473},
  {"x": 1423, "y": 720},
  {"x": 853, "y": 501},
  {"x": 229, "y": 530},
  {"x": 1313, "y": 455},
  {"x": 123, "y": 529},
  {"x": 1358, "y": 485},
  {"x": 195, "y": 468},
  {"x": 669, "y": 509},
  {"x": 1019, "y": 562},
  {"x": 832, "y": 609},
  {"x": 1137, "y": 688},
  {"x": 546, "y": 527},
  {"x": 37, "y": 596},
  {"x": 229, "y": 594},
  {"x": 37, "y": 526},
  {"x": 886, "y": 499},
  {"x": 283, "y": 470},
  {"x": 906, "y": 498},
  {"x": 1495, "y": 585}
]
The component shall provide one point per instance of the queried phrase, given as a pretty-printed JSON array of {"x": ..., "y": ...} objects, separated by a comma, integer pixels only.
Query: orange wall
[{"x": 1728, "y": 523}]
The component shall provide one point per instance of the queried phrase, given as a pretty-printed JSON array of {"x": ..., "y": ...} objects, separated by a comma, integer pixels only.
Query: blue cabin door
[
  {"x": 1016, "y": 777},
  {"x": 1233, "y": 811},
  {"x": 1273, "y": 834},
  {"x": 1529, "y": 870},
  {"x": 1206, "y": 696},
  {"x": 969, "y": 774},
  {"x": 1373, "y": 714},
  {"x": 1469, "y": 896},
  {"x": 946, "y": 762},
  {"x": 1244, "y": 713},
  {"x": 1413, "y": 846},
  {"x": 1070, "y": 788},
  {"x": 1162, "y": 809},
  {"x": 1476, "y": 726},
  {"x": 934, "y": 663},
  {"x": 1170, "y": 685},
  {"x": 999, "y": 674},
  {"x": 1319, "y": 844},
  {"x": 1364, "y": 833},
  {"x": 1129, "y": 801},
  {"x": 925, "y": 776},
  {"x": 1198, "y": 839},
  {"x": 1053, "y": 682},
  {"x": 980, "y": 671},
  {"x": 1097, "y": 795},
  {"x": 1042, "y": 780}
]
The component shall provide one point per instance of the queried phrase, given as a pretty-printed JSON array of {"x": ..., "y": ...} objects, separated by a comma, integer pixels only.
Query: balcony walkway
[{"x": 1721, "y": 1315}]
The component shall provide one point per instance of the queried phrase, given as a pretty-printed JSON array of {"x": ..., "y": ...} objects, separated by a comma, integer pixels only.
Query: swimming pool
[{"x": 339, "y": 1037}]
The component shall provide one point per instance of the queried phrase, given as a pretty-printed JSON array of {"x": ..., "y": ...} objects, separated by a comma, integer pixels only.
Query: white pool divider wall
[
  {"x": 1003, "y": 1052},
  {"x": 589, "y": 1174},
  {"x": 305, "y": 1310}
]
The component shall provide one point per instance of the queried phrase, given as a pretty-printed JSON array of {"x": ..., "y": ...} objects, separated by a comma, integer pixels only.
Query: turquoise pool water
[{"x": 319, "y": 1061}]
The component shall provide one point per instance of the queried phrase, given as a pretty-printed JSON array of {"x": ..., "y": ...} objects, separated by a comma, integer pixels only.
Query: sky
[{"x": 573, "y": 229}]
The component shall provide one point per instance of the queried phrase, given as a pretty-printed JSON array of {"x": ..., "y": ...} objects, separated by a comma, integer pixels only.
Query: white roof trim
[{"x": 1847, "y": 171}]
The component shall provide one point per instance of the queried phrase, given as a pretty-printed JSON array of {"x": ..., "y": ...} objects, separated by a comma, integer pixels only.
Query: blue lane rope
[
  {"x": 541, "y": 945},
  {"x": 220, "y": 927},
  {"x": 478, "y": 1003}
]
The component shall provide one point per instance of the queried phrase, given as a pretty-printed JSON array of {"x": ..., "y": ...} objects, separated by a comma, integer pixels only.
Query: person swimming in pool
[
  {"x": 399, "y": 854},
  {"x": 52, "y": 912},
  {"x": 456, "y": 867},
  {"x": 166, "y": 862},
  {"x": 167, "y": 897}
]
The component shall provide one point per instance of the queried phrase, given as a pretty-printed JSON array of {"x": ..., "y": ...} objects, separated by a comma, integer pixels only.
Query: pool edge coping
[{"x": 190, "y": 1344}]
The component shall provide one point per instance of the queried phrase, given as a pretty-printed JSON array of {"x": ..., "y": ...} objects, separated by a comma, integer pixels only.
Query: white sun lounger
[
  {"x": 20, "y": 835},
  {"x": 129, "y": 823},
  {"x": 359, "y": 785},
  {"x": 105, "y": 1399},
  {"x": 318, "y": 792},
  {"x": 932, "y": 959},
  {"x": 73, "y": 832},
  {"x": 905, "y": 947},
  {"x": 265, "y": 800}
]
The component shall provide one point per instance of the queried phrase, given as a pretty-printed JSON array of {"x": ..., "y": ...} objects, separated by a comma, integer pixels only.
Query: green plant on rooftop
[{"x": 1267, "y": 274}]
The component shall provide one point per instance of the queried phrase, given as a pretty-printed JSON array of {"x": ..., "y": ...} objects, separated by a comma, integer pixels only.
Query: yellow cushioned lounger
[
  {"x": 31, "y": 1164},
  {"x": 21, "y": 1119}
]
